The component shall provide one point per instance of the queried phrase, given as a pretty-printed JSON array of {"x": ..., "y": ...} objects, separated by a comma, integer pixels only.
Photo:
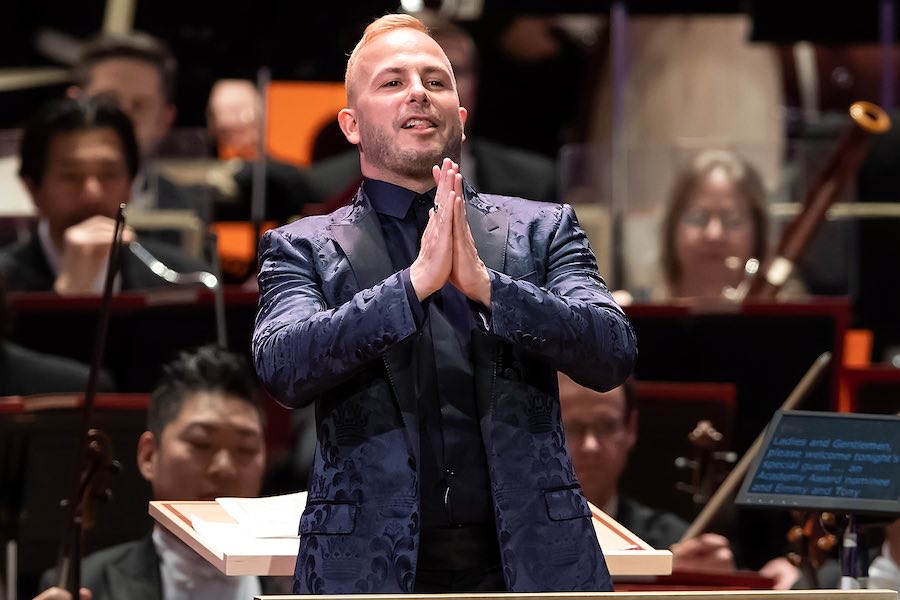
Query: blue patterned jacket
[{"x": 334, "y": 327}]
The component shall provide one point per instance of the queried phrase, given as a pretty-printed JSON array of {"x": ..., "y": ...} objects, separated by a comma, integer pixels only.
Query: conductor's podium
[
  {"x": 204, "y": 526},
  {"x": 626, "y": 555},
  {"x": 681, "y": 595}
]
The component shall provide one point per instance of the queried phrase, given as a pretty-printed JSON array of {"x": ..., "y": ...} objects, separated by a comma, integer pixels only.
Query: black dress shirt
[{"x": 454, "y": 483}]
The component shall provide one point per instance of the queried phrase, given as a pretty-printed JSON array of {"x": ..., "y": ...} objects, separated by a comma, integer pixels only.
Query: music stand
[{"x": 842, "y": 463}]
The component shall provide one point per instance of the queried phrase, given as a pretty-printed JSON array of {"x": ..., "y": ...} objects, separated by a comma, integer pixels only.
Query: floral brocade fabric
[{"x": 335, "y": 328}]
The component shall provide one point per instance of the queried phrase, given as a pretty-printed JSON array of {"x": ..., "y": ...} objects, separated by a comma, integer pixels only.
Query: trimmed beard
[{"x": 383, "y": 153}]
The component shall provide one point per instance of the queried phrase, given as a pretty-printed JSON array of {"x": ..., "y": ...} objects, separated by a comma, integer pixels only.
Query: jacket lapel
[
  {"x": 362, "y": 242},
  {"x": 137, "y": 576},
  {"x": 32, "y": 267},
  {"x": 490, "y": 227},
  {"x": 360, "y": 238}
]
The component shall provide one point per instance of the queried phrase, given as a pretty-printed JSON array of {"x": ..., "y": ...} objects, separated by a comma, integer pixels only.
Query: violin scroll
[
  {"x": 708, "y": 467},
  {"x": 93, "y": 487}
]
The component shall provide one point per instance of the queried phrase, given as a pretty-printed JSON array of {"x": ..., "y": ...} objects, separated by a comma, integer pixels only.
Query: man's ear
[
  {"x": 169, "y": 114},
  {"x": 31, "y": 186},
  {"x": 74, "y": 92},
  {"x": 463, "y": 115},
  {"x": 631, "y": 429},
  {"x": 35, "y": 193},
  {"x": 349, "y": 125},
  {"x": 146, "y": 455}
]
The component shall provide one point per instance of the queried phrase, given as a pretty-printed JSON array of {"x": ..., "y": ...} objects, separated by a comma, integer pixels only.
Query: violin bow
[{"x": 89, "y": 441}]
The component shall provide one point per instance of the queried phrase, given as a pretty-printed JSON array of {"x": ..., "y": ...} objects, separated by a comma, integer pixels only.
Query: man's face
[
  {"x": 233, "y": 117},
  {"x": 214, "y": 447},
  {"x": 599, "y": 436},
  {"x": 136, "y": 86},
  {"x": 85, "y": 174},
  {"x": 405, "y": 114}
]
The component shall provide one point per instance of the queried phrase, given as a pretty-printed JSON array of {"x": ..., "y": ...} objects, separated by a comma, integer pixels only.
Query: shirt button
[{"x": 511, "y": 374}]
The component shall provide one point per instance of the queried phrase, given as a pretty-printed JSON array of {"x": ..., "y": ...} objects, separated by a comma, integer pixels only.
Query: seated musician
[
  {"x": 716, "y": 220},
  {"x": 138, "y": 72},
  {"x": 204, "y": 440},
  {"x": 78, "y": 161},
  {"x": 233, "y": 114},
  {"x": 601, "y": 430}
]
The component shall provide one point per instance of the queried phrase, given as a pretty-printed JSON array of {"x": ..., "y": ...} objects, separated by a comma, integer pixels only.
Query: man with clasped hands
[{"x": 427, "y": 321}]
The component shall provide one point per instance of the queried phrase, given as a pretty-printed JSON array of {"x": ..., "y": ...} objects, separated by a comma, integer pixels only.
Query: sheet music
[{"x": 267, "y": 517}]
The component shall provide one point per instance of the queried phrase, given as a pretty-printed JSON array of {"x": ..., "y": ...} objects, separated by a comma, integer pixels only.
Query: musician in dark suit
[
  {"x": 138, "y": 72},
  {"x": 601, "y": 429},
  {"x": 78, "y": 161},
  {"x": 204, "y": 440},
  {"x": 441, "y": 463}
]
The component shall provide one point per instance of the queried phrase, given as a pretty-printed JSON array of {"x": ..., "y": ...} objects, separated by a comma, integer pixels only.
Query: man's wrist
[
  {"x": 418, "y": 287},
  {"x": 484, "y": 295},
  {"x": 415, "y": 304}
]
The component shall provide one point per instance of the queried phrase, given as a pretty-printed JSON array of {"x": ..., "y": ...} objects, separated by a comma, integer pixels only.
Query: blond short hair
[{"x": 377, "y": 28}]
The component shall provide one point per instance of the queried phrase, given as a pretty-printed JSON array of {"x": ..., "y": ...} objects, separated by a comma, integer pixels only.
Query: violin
[
  {"x": 93, "y": 488},
  {"x": 812, "y": 540},
  {"x": 709, "y": 465},
  {"x": 733, "y": 481}
]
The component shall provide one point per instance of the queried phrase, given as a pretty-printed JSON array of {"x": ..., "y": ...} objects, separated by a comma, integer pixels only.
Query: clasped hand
[
  {"x": 448, "y": 251},
  {"x": 85, "y": 254}
]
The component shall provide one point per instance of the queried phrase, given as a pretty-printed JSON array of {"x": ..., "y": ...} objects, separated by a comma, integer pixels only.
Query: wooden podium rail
[
  {"x": 625, "y": 553},
  {"x": 739, "y": 595}
]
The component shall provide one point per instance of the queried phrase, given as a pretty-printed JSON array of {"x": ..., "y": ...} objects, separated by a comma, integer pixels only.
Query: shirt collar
[
  {"x": 391, "y": 200},
  {"x": 51, "y": 252},
  {"x": 185, "y": 574}
]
